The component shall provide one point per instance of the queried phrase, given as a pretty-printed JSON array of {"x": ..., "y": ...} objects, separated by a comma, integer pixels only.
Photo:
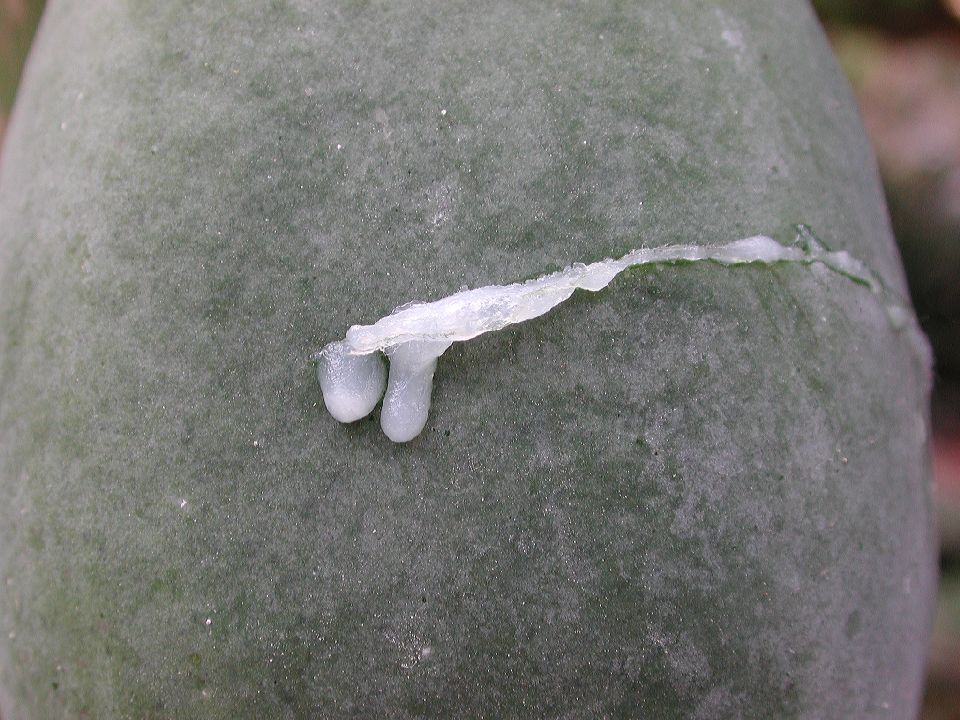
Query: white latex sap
[{"x": 413, "y": 336}]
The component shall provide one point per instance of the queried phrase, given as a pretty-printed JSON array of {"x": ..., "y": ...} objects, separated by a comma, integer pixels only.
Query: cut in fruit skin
[{"x": 416, "y": 334}]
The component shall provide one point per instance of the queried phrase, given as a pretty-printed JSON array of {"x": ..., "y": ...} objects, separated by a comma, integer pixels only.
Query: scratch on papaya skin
[{"x": 352, "y": 372}]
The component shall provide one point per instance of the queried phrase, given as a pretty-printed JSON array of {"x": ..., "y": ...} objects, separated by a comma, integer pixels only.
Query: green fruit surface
[{"x": 700, "y": 493}]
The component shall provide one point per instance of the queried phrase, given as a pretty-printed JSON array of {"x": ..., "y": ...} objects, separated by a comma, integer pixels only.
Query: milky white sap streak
[{"x": 413, "y": 336}]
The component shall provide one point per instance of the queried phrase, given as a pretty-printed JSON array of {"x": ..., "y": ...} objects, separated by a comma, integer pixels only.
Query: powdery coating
[{"x": 416, "y": 334}]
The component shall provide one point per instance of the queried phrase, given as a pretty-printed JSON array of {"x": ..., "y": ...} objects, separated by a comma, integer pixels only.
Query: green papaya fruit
[{"x": 701, "y": 492}]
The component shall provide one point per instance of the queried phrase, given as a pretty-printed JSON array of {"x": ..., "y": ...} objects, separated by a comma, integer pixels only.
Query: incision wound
[{"x": 353, "y": 375}]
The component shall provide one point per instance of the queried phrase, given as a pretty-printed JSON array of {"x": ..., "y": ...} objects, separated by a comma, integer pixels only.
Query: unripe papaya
[{"x": 699, "y": 492}]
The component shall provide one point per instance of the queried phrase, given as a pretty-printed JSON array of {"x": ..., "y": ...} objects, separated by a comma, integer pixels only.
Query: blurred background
[{"x": 903, "y": 60}]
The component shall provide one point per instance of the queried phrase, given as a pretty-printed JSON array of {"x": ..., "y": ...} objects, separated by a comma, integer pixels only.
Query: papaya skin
[{"x": 702, "y": 492}]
